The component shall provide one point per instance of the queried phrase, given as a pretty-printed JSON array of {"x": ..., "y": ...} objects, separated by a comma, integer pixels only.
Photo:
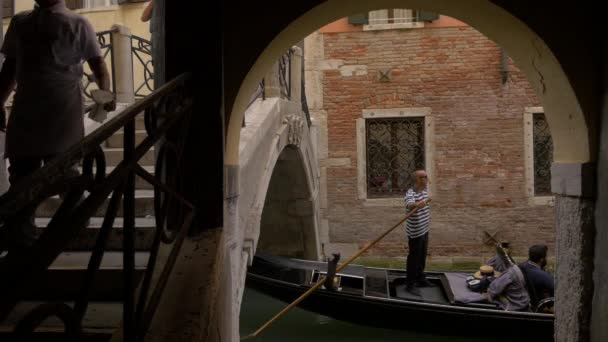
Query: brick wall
[{"x": 478, "y": 182}]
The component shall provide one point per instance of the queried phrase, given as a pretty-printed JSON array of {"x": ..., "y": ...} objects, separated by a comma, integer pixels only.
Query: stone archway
[{"x": 574, "y": 140}]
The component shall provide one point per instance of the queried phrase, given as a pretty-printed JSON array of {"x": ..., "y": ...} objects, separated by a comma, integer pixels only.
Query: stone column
[
  {"x": 123, "y": 64},
  {"x": 573, "y": 185},
  {"x": 3, "y": 174},
  {"x": 3, "y": 167},
  {"x": 599, "y": 328},
  {"x": 296, "y": 74}
]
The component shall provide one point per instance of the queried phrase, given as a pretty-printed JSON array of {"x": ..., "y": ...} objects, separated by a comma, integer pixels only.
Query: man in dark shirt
[
  {"x": 541, "y": 283},
  {"x": 45, "y": 49}
]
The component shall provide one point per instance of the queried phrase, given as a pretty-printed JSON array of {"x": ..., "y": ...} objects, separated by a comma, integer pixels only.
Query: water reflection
[{"x": 300, "y": 325}]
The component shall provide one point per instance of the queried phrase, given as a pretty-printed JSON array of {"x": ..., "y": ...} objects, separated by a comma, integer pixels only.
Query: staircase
[
  {"x": 63, "y": 279},
  {"x": 83, "y": 281}
]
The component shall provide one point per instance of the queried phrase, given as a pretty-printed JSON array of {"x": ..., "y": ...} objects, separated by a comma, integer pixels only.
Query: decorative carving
[{"x": 296, "y": 128}]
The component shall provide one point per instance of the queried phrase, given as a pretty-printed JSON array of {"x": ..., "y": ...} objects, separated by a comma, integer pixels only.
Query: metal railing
[
  {"x": 141, "y": 50},
  {"x": 106, "y": 43},
  {"x": 259, "y": 92},
  {"x": 285, "y": 84},
  {"x": 285, "y": 74},
  {"x": 141, "y": 56},
  {"x": 166, "y": 108}
]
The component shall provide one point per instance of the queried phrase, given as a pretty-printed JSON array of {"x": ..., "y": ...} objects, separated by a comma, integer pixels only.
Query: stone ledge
[{"x": 335, "y": 162}]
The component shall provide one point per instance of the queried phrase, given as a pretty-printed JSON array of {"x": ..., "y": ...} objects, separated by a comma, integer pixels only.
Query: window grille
[
  {"x": 394, "y": 149},
  {"x": 543, "y": 155}
]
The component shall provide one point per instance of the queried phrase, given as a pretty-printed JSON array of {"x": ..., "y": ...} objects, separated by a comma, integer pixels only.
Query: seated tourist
[
  {"x": 508, "y": 290},
  {"x": 540, "y": 283}
]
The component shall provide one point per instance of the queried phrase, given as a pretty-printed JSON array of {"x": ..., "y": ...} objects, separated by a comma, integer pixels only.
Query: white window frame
[
  {"x": 378, "y": 20},
  {"x": 529, "y": 158},
  {"x": 92, "y": 3},
  {"x": 429, "y": 144},
  {"x": 91, "y": 6}
]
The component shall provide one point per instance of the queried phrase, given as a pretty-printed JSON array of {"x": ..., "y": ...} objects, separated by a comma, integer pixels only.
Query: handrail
[
  {"x": 165, "y": 108},
  {"x": 27, "y": 189}
]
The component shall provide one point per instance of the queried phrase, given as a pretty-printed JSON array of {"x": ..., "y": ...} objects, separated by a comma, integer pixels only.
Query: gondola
[{"x": 377, "y": 297}]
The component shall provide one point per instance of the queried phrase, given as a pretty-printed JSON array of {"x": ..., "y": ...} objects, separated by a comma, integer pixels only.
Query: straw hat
[{"x": 486, "y": 270}]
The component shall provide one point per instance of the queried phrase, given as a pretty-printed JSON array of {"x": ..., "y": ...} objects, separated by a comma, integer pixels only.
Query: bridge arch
[
  {"x": 288, "y": 221},
  {"x": 276, "y": 209}
]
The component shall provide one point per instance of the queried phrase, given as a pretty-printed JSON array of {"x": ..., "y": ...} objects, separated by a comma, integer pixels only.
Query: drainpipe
[{"x": 504, "y": 65}]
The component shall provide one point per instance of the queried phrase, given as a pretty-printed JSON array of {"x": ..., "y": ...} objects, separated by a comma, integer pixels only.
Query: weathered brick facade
[{"x": 478, "y": 178}]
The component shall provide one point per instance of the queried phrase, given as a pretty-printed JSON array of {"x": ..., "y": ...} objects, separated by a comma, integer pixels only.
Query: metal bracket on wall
[
  {"x": 490, "y": 238},
  {"x": 384, "y": 75}
]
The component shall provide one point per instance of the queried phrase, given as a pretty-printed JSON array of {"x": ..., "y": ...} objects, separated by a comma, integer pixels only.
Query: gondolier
[{"x": 417, "y": 229}]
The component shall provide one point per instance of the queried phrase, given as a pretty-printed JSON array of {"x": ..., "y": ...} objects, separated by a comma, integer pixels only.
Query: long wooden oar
[{"x": 322, "y": 280}]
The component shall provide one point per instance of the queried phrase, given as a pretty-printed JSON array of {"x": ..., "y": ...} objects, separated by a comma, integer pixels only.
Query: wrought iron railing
[
  {"x": 106, "y": 43},
  {"x": 260, "y": 92},
  {"x": 167, "y": 108},
  {"x": 285, "y": 74},
  {"x": 543, "y": 155},
  {"x": 303, "y": 99},
  {"x": 394, "y": 149},
  {"x": 142, "y": 55},
  {"x": 285, "y": 82}
]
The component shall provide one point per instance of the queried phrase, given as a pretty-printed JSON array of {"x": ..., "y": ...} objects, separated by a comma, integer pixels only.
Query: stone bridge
[{"x": 278, "y": 203}]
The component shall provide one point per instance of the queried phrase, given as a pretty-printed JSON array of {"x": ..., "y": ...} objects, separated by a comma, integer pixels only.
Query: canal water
[{"x": 300, "y": 325}]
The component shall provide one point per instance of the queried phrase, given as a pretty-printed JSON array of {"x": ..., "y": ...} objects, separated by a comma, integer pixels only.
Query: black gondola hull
[{"x": 405, "y": 314}]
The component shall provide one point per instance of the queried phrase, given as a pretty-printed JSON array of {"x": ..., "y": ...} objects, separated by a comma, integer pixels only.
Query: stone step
[
  {"x": 63, "y": 279},
  {"x": 85, "y": 241},
  {"x": 55, "y": 333},
  {"x": 140, "y": 183},
  {"x": 114, "y": 155},
  {"x": 117, "y": 139},
  {"x": 140, "y": 122},
  {"x": 111, "y": 261},
  {"x": 144, "y": 205},
  {"x": 91, "y": 126}
]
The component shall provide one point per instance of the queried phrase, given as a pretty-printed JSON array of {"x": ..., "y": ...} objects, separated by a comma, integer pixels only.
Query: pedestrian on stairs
[{"x": 45, "y": 49}]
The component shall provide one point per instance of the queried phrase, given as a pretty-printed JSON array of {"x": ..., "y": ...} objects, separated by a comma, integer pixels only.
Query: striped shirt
[{"x": 417, "y": 224}]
